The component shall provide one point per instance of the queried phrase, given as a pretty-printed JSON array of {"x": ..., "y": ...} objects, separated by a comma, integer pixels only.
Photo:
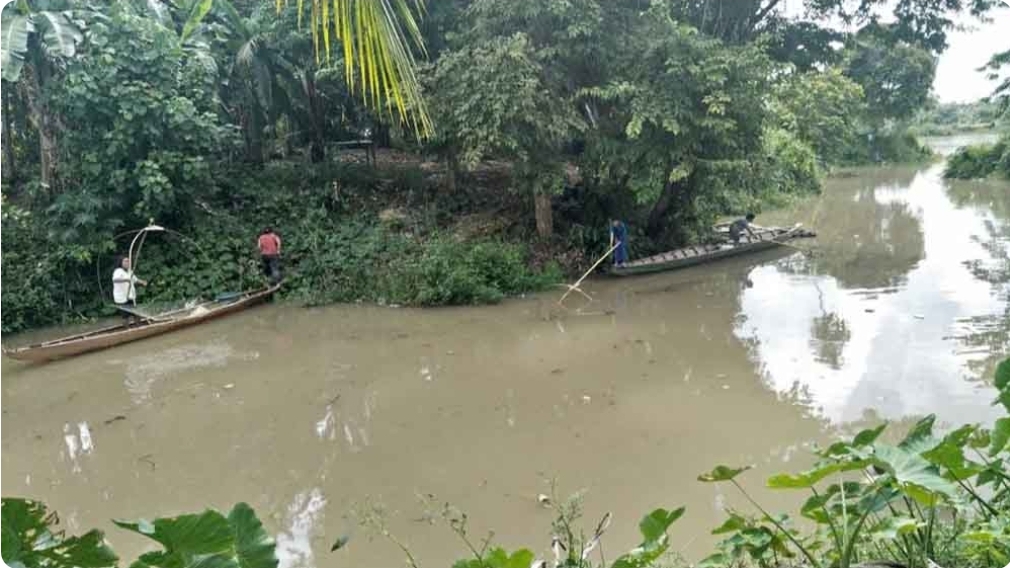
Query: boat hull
[
  {"x": 121, "y": 334},
  {"x": 703, "y": 254}
]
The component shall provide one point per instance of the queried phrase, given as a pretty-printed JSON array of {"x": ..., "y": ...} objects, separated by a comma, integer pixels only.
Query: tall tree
[{"x": 896, "y": 76}]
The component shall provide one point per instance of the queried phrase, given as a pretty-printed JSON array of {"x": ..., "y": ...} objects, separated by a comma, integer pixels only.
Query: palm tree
[{"x": 38, "y": 37}]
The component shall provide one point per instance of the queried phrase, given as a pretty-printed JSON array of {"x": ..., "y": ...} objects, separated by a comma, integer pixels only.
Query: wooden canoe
[
  {"x": 700, "y": 254},
  {"x": 146, "y": 327}
]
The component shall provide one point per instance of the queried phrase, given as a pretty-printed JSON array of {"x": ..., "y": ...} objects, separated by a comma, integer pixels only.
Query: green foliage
[
  {"x": 31, "y": 541},
  {"x": 328, "y": 255},
  {"x": 655, "y": 541},
  {"x": 491, "y": 100},
  {"x": 205, "y": 539},
  {"x": 944, "y": 119},
  {"x": 145, "y": 98},
  {"x": 54, "y": 31},
  {"x": 896, "y": 77},
  {"x": 980, "y": 161},
  {"x": 498, "y": 558},
  {"x": 822, "y": 108},
  {"x": 893, "y": 512}
]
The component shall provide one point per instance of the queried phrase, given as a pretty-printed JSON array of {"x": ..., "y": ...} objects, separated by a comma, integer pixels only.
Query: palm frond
[{"x": 376, "y": 37}]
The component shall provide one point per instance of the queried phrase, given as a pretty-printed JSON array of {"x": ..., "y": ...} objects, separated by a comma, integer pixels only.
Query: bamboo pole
[{"x": 575, "y": 286}]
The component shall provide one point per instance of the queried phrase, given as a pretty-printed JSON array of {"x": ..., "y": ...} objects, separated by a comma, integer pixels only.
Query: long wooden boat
[
  {"x": 700, "y": 254},
  {"x": 145, "y": 327}
]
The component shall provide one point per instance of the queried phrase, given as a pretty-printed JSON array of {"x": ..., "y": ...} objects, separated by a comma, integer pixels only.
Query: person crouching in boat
[
  {"x": 619, "y": 237},
  {"x": 124, "y": 286},
  {"x": 269, "y": 244},
  {"x": 739, "y": 227}
]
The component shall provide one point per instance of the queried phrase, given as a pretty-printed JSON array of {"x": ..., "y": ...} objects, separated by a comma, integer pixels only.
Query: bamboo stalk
[{"x": 575, "y": 286}]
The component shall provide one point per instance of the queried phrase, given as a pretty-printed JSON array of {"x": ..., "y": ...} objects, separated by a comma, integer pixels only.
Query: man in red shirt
[{"x": 270, "y": 254}]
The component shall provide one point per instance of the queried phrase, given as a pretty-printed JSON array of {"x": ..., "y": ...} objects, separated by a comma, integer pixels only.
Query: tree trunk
[
  {"x": 656, "y": 225},
  {"x": 9, "y": 166},
  {"x": 544, "y": 215},
  {"x": 317, "y": 147},
  {"x": 45, "y": 123},
  {"x": 383, "y": 137},
  {"x": 451, "y": 170},
  {"x": 254, "y": 136}
]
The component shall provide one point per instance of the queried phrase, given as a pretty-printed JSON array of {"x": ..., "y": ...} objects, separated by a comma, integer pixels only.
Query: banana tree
[{"x": 38, "y": 38}]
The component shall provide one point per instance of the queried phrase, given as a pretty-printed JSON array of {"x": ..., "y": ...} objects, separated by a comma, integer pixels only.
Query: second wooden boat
[
  {"x": 145, "y": 327},
  {"x": 700, "y": 254}
]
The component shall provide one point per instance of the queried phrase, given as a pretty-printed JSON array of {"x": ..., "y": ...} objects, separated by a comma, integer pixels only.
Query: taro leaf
[
  {"x": 722, "y": 473},
  {"x": 862, "y": 439},
  {"x": 915, "y": 476},
  {"x": 892, "y": 527},
  {"x": 992, "y": 472},
  {"x": 920, "y": 437},
  {"x": 980, "y": 439},
  {"x": 733, "y": 523},
  {"x": 810, "y": 478},
  {"x": 1000, "y": 436},
  {"x": 814, "y": 509},
  {"x": 1002, "y": 382},
  {"x": 1004, "y": 399},
  {"x": 28, "y": 540},
  {"x": 949, "y": 454},
  {"x": 873, "y": 501},
  {"x": 253, "y": 546},
  {"x": 867, "y": 437},
  {"x": 1002, "y": 377},
  {"x": 653, "y": 527},
  {"x": 207, "y": 539}
]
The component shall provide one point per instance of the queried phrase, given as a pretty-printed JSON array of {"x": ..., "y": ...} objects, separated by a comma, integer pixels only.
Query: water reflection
[
  {"x": 987, "y": 333},
  {"x": 294, "y": 544},
  {"x": 902, "y": 307},
  {"x": 868, "y": 236}
]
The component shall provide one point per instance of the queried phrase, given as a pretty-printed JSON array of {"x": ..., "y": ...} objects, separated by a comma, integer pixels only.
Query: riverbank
[{"x": 392, "y": 234}]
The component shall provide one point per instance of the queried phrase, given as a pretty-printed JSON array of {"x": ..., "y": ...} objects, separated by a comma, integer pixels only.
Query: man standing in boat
[
  {"x": 738, "y": 227},
  {"x": 124, "y": 284},
  {"x": 619, "y": 238},
  {"x": 270, "y": 254}
]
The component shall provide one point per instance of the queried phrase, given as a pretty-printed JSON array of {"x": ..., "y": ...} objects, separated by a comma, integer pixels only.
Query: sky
[{"x": 956, "y": 77}]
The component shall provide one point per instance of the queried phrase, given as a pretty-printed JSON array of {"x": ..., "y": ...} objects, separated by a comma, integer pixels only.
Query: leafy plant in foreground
[
  {"x": 922, "y": 500},
  {"x": 207, "y": 539}
]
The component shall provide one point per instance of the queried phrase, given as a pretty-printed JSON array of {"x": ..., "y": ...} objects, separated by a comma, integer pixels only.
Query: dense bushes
[
  {"x": 896, "y": 147},
  {"x": 984, "y": 160},
  {"x": 329, "y": 254}
]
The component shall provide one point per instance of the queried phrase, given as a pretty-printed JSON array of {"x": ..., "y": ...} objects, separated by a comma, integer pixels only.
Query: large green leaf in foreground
[
  {"x": 207, "y": 540},
  {"x": 28, "y": 540}
]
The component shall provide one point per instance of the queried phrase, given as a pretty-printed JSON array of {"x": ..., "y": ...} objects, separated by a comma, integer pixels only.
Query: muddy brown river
[{"x": 316, "y": 416}]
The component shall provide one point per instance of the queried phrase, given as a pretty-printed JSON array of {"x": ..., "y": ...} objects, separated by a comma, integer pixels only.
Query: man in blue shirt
[{"x": 619, "y": 237}]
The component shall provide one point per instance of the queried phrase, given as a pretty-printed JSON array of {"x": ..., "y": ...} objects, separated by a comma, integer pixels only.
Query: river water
[{"x": 320, "y": 417}]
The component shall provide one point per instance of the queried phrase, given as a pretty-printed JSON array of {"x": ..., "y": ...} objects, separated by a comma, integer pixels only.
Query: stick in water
[{"x": 588, "y": 272}]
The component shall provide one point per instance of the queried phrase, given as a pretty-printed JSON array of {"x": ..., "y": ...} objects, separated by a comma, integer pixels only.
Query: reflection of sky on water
[{"x": 853, "y": 335}]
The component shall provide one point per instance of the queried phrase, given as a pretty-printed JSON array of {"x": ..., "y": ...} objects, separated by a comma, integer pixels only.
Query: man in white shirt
[{"x": 124, "y": 283}]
